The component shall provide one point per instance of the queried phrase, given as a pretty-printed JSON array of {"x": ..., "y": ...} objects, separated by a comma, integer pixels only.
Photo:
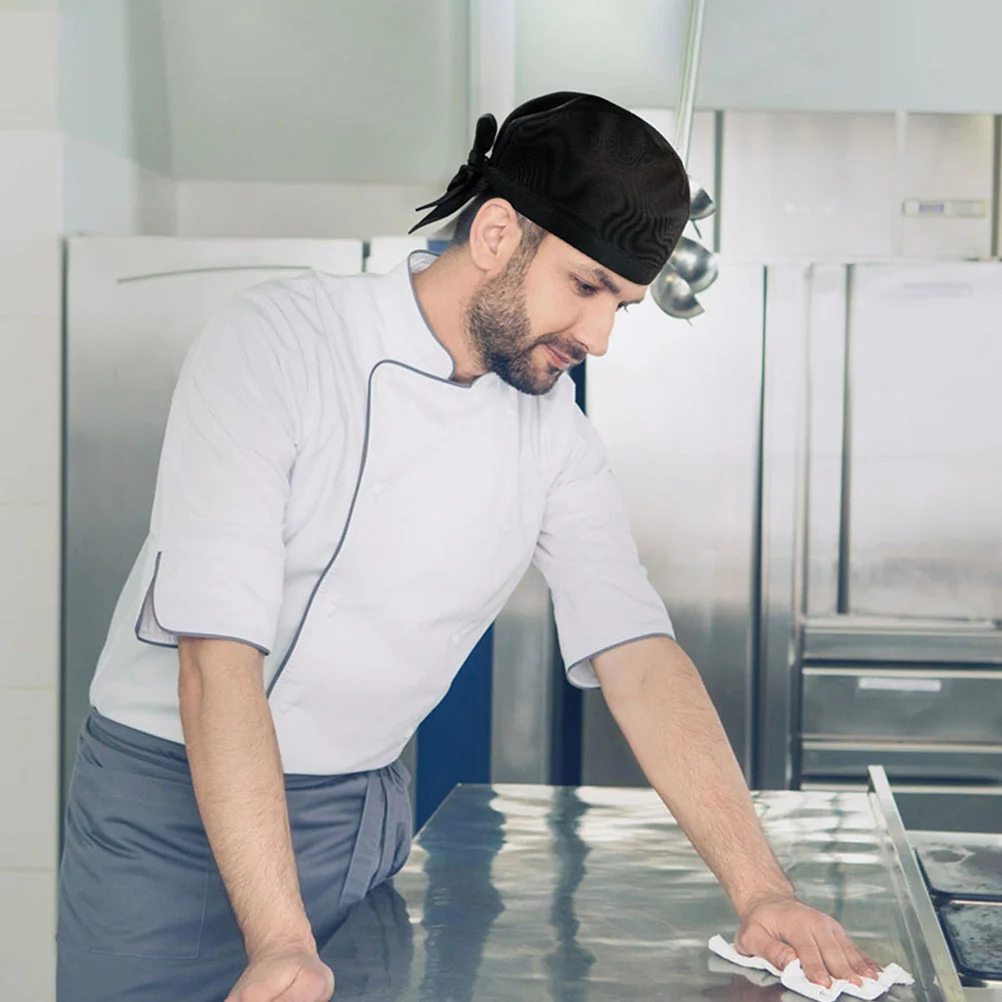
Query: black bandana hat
[{"x": 589, "y": 172}]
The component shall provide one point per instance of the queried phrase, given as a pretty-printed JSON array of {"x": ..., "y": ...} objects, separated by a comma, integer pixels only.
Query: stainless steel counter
[{"x": 543, "y": 893}]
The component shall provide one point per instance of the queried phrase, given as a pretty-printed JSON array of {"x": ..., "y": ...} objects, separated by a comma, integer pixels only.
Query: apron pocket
[{"x": 135, "y": 865}]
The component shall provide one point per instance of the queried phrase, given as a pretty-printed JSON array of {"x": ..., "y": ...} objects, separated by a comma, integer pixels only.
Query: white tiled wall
[
  {"x": 30, "y": 224},
  {"x": 28, "y": 959},
  {"x": 28, "y": 53}
]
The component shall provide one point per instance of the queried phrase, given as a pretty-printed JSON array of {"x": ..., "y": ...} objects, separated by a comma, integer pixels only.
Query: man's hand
[
  {"x": 782, "y": 928},
  {"x": 661, "y": 705},
  {"x": 284, "y": 977}
]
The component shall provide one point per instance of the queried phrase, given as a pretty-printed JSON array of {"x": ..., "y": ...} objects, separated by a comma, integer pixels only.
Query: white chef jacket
[{"x": 328, "y": 495}]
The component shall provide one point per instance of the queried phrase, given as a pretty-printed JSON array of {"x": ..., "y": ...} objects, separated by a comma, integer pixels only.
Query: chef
[{"x": 356, "y": 474}]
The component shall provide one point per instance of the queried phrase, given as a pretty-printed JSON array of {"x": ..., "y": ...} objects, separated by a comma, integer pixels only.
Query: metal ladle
[
  {"x": 695, "y": 264},
  {"x": 674, "y": 295},
  {"x": 700, "y": 204}
]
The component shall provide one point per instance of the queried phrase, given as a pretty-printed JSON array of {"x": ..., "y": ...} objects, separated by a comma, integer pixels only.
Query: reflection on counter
[{"x": 564, "y": 895}]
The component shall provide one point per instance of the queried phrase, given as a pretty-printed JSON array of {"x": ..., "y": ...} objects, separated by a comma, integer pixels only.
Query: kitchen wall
[
  {"x": 770, "y": 55},
  {"x": 74, "y": 157},
  {"x": 313, "y": 119},
  {"x": 30, "y": 225},
  {"x": 113, "y": 117}
]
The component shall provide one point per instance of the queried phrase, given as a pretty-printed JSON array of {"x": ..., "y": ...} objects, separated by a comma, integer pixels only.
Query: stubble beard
[{"x": 498, "y": 328}]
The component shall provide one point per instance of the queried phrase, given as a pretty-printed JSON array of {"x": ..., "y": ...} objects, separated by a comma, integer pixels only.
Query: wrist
[
  {"x": 748, "y": 899},
  {"x": 291, "y": 937}
]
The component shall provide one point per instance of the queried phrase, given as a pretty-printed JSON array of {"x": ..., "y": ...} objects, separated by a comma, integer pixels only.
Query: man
[{"x": 355, "y": 475}]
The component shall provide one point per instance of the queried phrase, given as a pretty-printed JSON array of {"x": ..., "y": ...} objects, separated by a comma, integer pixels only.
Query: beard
[{"x": 499, "y": 331}]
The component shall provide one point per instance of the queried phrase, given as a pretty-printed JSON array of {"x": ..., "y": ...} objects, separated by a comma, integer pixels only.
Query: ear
[{"x": 494, "y": 236}]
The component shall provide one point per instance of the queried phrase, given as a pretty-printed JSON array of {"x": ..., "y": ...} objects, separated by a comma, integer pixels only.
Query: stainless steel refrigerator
[
  {"x": 814, "y": 473},
  {"x": 133, "y": 307}
]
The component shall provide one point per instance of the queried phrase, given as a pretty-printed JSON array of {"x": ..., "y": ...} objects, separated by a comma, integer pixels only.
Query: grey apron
[{"x": 143, "y": 913}]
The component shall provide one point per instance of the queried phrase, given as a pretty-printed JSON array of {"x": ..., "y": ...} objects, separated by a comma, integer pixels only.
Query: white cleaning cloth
[{"x": 793, "y": 977}]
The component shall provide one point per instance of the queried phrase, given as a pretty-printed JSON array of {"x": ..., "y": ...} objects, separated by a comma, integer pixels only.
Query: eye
[{"x": 584, "y": 288}]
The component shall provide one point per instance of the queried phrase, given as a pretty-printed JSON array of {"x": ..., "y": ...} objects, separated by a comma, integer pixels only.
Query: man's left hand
[{"x": 783, "y": 928}]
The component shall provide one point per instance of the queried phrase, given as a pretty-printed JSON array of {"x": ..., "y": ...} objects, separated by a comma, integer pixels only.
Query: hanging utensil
[
  {"x": 691, "y": 268},
  {"x": 694, "y": 263},
  {"x": 674, "y": 295},
  {"x": 701, "y": 206}
]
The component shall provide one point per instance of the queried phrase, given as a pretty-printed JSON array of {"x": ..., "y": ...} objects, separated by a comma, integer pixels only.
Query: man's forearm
[
  {"x": 237, "y": 774},
  {"x": 661, "y": 705}
]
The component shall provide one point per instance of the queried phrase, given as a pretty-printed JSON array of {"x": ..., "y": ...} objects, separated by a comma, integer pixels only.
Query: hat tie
[{"x": 468, "y": 180}]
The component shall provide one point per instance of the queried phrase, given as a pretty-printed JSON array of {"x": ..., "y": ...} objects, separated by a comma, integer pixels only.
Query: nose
[{"x": 595, "y": 332}]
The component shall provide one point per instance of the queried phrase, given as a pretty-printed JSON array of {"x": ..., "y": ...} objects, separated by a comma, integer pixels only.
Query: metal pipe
[{"x": 689, "y": 78}]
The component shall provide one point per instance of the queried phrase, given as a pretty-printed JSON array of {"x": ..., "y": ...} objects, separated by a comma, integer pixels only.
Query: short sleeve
[
  {"x": 602, "y": 596},
  {"x": 218, "y": 514}
]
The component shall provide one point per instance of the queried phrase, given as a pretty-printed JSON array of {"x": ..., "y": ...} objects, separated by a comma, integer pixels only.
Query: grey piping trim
[
  {"x": 612, "y": 647},
  {"x": 354, "y": 499},
  {"x": 179, "y": 633},
  {"x": 420, "y": 308}
]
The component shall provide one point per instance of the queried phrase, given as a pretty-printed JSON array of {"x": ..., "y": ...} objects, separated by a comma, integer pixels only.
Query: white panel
[
  {"x": 30, "y": 404},
  {"x": 28, "y": 936},
  {"x": 780, "y": 55},
  {"x": 95, "y": 101},
  {"x": 800, "y": 185},
  {"x": 629, "y": 53},
  {"x": 148, "y": 86},
  {"x": 385, "y": 253},
  {"x": 30, "y": 278},
  {"x": 29, "y": 787},
  {"x": 492, "y": 57},
  {"x": 29, "y": 52},
  {"x": 315, "y": 91},
  {"x": 948, "y": 157},
  {"x": 29, "y": 595},
  {"x": 239, "y": 209},
  {"x": 157, "y": 204},
  {"x": 851, "y": 55},
  {"x": 30, "y": 169}
]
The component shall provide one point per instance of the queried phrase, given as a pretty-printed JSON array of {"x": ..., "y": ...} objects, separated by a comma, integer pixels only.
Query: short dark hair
[{"x": 532, "y": 235}]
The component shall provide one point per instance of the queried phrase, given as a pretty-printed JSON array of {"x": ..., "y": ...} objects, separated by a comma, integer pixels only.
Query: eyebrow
[{"x": 602, "y": 276}]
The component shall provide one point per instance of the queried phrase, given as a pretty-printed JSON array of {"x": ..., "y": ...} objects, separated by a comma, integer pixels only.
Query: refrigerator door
[
  {"x": 679, "y": 409},
  {"x": 133, "y": 306},
  {"x": 924, "y": 463}
]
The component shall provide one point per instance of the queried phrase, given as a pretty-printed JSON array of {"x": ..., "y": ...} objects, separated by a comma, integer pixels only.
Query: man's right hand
[{"x": 284, "y": 977}]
